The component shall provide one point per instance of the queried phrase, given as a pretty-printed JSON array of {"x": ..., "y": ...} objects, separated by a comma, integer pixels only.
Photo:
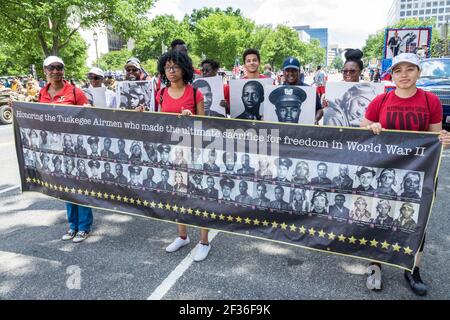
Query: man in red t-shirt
[{"x": 59, "y": 91}]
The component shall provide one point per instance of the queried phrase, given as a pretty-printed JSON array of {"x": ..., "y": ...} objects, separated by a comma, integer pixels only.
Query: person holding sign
[
  {"x": 179, "y": 96},
  {"x": 59, "y": 91},
  {"x": 96, "y": 88},
  {"x": 349, "y": 110},
  {"x": 288, "y": 102},
  {"x": 393, "y": 110},
  {"x": 291, "y": 73}
]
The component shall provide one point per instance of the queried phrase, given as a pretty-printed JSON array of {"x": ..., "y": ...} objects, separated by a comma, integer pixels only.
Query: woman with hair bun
[
  {"x": 353, "y": 65},
  {"x": 351, "y": 72}
]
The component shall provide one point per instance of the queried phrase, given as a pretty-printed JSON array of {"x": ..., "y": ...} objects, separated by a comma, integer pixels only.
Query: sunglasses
[
  {"x": 58, "y": 67},
  {"x": 349, "y": 71},
  {"x": 95, "y": 77},
  {"x": 131, "y": 70}
]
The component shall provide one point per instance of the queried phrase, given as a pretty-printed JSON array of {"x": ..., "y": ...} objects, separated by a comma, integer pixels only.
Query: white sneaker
[
  {"x": 177, "y": 244},
  {"x": 81, "y": 236},
  {"x": 69, "y": 235},
  {"x": 202, "y": 252}
]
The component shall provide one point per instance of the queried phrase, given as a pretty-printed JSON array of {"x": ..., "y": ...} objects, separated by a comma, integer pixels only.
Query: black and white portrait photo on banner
[
  {"x": 407, "y": 40},
  {"x": 348, "y": 102},
  {"x": 212, "y": 89},
  {"x": 247, "y": 98},
  {"x": 290, "y": 104},
  {"x": 132, "y": 94},
  {"x": 96, "y": 96}
]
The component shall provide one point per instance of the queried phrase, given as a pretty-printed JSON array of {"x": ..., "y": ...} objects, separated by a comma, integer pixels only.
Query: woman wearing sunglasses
[
  {"x": 60, "y": 91},
  {"x": 351, "y": 72},
  {"x": 96, "y": 78}
]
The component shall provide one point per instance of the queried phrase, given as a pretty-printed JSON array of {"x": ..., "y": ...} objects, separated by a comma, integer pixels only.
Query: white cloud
[
  {"x": 349, "y": 22},
  {"x": 173, "y": 7}
]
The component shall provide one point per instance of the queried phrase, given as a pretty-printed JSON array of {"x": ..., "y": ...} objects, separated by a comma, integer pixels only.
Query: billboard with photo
[{"x": 406, "y": 40}]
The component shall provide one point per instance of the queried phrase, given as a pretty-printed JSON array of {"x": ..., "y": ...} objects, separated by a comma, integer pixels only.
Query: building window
[{"x": 115, "y": 42}]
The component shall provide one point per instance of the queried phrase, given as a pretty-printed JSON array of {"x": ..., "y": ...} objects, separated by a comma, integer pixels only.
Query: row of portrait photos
[
  {"x": 390, "y": 183},
  {"x": 273, "y": 197}
]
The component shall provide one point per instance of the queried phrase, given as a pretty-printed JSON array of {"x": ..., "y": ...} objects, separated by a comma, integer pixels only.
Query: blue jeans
[{"x": 80, "y": 218}]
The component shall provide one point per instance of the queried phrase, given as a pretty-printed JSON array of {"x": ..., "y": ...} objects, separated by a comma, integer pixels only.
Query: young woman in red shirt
[
  {"x": 393, "y": 111},
  {"x": 179, "y": 96}
]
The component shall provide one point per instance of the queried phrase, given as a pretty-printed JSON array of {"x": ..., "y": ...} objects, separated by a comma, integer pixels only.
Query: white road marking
[
  {"x": 170, "y": 281},
  {"x": 10, "y": 188},
  {"x": 6, "y": 143}
]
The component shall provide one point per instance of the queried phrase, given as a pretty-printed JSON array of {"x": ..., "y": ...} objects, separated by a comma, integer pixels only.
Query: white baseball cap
[
  {"x": 52, "y": 59},
  {"x": 406, "y": 57},
  {"x": 97, "y": 71}
]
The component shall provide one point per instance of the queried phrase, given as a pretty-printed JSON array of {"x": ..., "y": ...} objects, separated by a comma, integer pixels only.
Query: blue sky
[{"x": 349, "y": 21}]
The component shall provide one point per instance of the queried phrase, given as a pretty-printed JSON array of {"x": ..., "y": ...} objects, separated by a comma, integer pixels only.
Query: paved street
[{"x": 125, "y": 257}]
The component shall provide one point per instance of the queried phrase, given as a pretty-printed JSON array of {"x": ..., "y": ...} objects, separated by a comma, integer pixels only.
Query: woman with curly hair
[{"x": 179, "y": 96}]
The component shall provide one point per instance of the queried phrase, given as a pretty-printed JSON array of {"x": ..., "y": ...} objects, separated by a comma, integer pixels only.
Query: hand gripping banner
[{"x": 331, "y": 189}]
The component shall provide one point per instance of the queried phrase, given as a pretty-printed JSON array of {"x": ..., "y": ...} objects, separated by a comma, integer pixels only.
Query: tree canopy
[{"x": 51, "y": 27}]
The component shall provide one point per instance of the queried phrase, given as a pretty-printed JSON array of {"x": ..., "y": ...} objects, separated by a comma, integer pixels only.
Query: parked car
[{"x": 435, "y": 77}]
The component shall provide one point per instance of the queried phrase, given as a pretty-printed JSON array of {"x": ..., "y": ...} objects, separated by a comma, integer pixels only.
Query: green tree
[
  {"x": 314, "y": 55},
  {"x": 54, "y": 23},
  {"x": 14, "y": 60},
  {"x": 200, "y": 14},
  {"x": 282, "y": 43},
  {"x": 114, "y": 60},
  {"x": 222, "y": 37},
  {"x": 337, "y": 63},
  {"x": 158, "y": 34}
]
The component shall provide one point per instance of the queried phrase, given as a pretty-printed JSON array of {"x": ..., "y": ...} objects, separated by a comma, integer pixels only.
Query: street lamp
[{"x": 95, "y": 35}]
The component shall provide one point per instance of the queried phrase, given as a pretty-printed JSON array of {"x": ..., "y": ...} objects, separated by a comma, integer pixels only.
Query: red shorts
[{"x": 320, "y": 90}]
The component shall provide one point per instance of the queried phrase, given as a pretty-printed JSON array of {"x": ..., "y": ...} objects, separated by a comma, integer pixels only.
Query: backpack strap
[
  {"x": 75, "y": 95},
  {"x": 384, "y": 99},
  {"x": 195, "y": 100},
  {"x": 161, "y": 98}
]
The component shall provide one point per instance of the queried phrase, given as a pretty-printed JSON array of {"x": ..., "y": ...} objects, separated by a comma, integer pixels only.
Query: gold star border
[{"x": 305, "y": 230}]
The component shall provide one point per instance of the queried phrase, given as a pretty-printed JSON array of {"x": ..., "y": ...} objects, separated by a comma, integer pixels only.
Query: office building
[
  {"x": 320, "y": 34},
  {"x": 421, "y": 9}
]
